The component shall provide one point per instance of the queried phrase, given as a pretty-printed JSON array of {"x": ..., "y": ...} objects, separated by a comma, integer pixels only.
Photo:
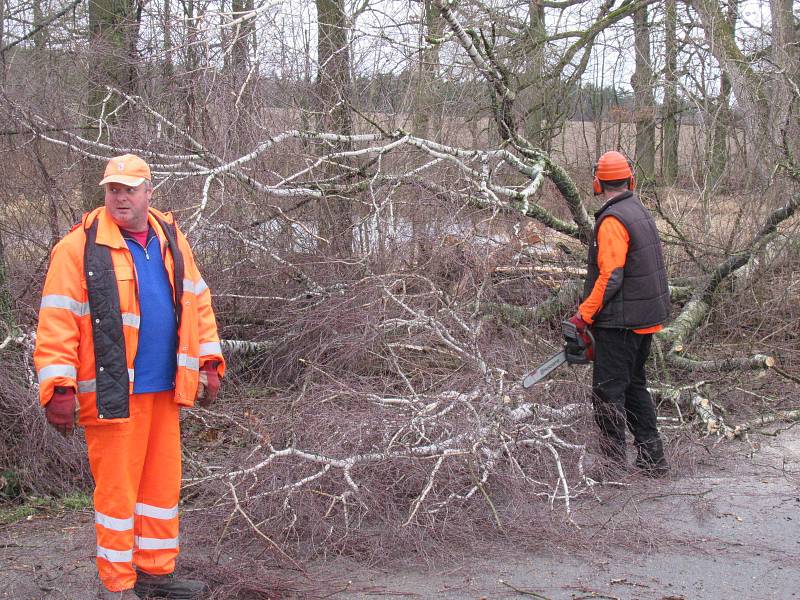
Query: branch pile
[{"x": 407, "y": 420}]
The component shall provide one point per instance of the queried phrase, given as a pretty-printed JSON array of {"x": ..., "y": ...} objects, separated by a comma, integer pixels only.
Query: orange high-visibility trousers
[{"x": 137, "y": 473}]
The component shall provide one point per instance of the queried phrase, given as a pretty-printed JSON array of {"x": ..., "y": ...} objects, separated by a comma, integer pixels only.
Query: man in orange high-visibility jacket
[
  {"x": 126, "y": 324},
  {"x": 626, "y": 300}
]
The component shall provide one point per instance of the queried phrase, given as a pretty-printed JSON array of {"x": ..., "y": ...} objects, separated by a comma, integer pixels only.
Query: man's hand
[
  {"x": 61, "y": 409},
  {"x": 583, "y": 330},
  {"x": 578, "y": 321},
  {"x": 208, "y": 388}
]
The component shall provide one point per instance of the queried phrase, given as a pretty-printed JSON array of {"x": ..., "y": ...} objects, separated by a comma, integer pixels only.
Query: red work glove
[
  {"x": 578, "y": 321},
  {"x": 60, "y": 411},
  {"x": 209, "y": 384},
  {"x": 583, "y": 331}
]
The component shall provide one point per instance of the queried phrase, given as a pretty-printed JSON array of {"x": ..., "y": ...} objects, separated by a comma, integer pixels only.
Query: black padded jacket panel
[{"x": 642, "y": 297}]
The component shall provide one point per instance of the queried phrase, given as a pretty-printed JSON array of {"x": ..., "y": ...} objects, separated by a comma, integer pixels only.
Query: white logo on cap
[{"x": 120, "y": 166}]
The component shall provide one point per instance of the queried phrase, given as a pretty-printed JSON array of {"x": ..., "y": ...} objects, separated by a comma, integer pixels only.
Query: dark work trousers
[{"x": 621, "y": 396}]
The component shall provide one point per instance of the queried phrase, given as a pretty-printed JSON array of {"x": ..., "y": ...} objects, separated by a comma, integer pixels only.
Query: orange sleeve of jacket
[
  {"x": 612, "y": 252},
  {"x": 64, "y": 304},
  {"x": 210, "y": 347}
]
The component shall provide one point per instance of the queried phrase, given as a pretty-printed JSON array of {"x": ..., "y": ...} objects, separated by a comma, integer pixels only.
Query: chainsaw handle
[
  {"x": 588, "y": 332},
  {"x": 589, "y": 344},
  {"x": 579, "y": 348},
  {"x": 582, "y": 337}
]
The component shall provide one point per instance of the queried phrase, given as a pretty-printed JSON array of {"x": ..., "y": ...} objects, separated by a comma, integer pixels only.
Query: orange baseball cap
[{"x": 127, "y": 169}]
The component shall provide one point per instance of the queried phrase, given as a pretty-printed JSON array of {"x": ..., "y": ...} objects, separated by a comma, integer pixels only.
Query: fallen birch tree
[{"x": 373, "y": 396}]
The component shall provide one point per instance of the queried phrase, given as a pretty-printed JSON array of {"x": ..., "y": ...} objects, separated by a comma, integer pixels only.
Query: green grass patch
[
  {"x": 76, "y": 501},
  {"x": 15, "y": 512}
]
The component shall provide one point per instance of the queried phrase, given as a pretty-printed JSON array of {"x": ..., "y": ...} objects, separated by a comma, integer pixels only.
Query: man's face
[{"x": 128, "y": 205}]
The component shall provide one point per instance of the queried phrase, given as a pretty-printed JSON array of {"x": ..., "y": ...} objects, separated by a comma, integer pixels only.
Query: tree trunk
[
  {"x": 747, "y": 84},
  {"x": 334, "y": 93},
  {"x": 2, "y": 41},
  {"x": 642, "y": 83},
  {"x": 426, "y": 104},
  {"x": 191, "y": 66},
  {"x": 720, "y": 123},
  {"x": 239, "y": 65},
  {"x": 785, "y": 94},
  {"x": 168, "y": 66},
  {"x": 426, "y": 110},
  {"x": 40, "y": 37},
  {"x": 721, "y": 120},
  {"x": 598, "y": 104},
  {"x": 113, "y": 35},
  {"x": 425, "y": 96},
  {"x": 6, "y": 301},
  {"x": 240, "y": 50},
  {"x": 670, "y": 125},
  {"x": 537, "y": 129}
]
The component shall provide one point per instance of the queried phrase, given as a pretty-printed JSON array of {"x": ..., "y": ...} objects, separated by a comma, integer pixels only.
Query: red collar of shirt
[{"x": 138, "y": 236}]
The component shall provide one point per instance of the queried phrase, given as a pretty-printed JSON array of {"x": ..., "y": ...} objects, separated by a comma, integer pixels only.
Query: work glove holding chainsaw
[
  {"x": 578, "y": 321},
  {"x": 583, "y": 330},
  {"x": 208, "y": 387},
  {"x": 60, "y": 411}
]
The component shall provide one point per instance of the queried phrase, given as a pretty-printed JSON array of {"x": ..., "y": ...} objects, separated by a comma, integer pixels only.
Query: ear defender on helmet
[
  {"x": 596, "y": 185},
  {"x": 612, "y": 166}
]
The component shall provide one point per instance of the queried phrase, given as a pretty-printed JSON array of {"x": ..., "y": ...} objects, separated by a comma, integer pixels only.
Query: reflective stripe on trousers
[{"x": 137, "y": 471}]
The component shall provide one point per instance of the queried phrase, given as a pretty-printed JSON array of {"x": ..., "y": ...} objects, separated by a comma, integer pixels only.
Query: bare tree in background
[
  {"x": 670, "y": 123},
  {"x": 113, "y": 35},
  {"x": 786, "y": 60},
  {"x": 334, "y": 95},
  {"x": 643, "y": 96},
  {"x": 2, "y": 34},
  {"x": 426, "y": 110},
  {"x": 720, "y": 115},
  {"x": 7, "y": 318},
  {"x": 537, "y": 121}
]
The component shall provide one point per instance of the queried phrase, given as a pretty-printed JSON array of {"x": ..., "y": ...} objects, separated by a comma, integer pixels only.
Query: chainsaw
[{"x": 578, "y": 350}]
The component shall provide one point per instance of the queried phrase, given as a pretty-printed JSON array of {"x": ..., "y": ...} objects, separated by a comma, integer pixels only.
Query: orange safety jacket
[{"x": 65, "y": 340}]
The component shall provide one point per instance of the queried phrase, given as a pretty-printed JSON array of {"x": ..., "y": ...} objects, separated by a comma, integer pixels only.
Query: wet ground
[{"x": 726, "y": 529}]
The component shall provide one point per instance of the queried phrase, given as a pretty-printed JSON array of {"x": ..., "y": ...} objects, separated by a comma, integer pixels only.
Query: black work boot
[
  {"x": 168, "y": 586},
  {"x": 103, "y": 593},
  {"x": 650, "y": 459}
]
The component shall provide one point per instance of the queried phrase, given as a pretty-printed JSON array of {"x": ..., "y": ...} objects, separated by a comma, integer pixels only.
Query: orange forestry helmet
[{"x": 612, "y": 166}]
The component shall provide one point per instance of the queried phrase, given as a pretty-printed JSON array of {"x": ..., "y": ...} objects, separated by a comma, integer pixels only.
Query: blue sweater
[{"x": 156, "y": 358}]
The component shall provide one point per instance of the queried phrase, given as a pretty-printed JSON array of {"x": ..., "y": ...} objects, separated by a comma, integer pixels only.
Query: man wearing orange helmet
[{"x": 625, "y": 301}]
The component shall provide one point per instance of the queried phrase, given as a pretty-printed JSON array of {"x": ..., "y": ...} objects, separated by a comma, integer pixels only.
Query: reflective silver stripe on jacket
[
  {"x": 210, "y": 348},
  {"x": 112, "y": 522},
  {"x": 190, "y": 362},
  {"x": 81, "y": 309},
  {"x": 131, "y": 320},
  {"x": 57, "y": 301},
  {"x": 51, "y": 371},
  {"x": 86, "y": 386},
  {"x": 195, "y": 288},
  {"x": 144, "y": 543},
  {"x": 115, "y": 556},
  {"x": 155, "y": 512}
]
